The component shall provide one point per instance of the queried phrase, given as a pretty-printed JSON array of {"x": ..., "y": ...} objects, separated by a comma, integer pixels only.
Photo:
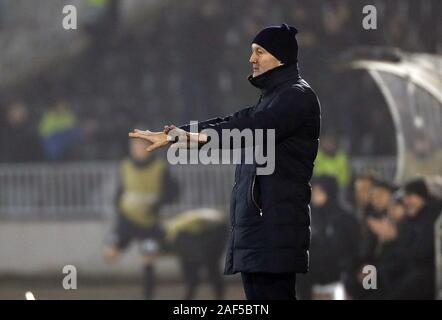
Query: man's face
[
  {"x": 262, "y": 60},
  {"x": 380, "y": 198},
  {"x": 319, "y": 196},
  {"x": 363, "y": 190},
  {"x": 413, "y": 204}
]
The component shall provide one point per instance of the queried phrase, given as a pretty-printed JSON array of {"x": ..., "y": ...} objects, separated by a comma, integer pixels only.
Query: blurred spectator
[
  {"x": 145, "y": 185},
  {"x": 332, "y": 161},
  {"x": 59, "y": 131},
  {"x": 199, "y": 238},
  {"x": 380, "y": 200},
  {"x": 386, "y": 229},
  {"x": 19, "y": 140},
  {"x": 334, "y": 238},
  {"x": 374, "y": 197},
  {"x": 418, "y": 257},
  {"x": 392, "y": 235},
  {"x": 360, "y": 195},
  {"x": 381, "y": 194}
]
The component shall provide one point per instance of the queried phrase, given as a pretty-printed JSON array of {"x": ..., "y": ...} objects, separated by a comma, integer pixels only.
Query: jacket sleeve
[
  {"x": 214, "y": 121},
  {"x": 285, "y": 114}
]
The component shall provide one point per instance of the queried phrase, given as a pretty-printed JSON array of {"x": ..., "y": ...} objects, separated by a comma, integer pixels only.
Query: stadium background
[{"x": 150, "y": 63}]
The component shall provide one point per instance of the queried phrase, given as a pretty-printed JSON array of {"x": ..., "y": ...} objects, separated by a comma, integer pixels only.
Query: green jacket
[{"x": 336, "y": 166}]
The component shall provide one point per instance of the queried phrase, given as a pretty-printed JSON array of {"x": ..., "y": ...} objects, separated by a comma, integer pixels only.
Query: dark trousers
[{"x": 269, "y": 286}]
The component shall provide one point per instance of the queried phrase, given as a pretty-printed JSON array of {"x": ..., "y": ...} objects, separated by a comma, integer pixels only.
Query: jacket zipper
[
  {"x": 233, "y": 213},
  {"x": 253, "y": 196}
]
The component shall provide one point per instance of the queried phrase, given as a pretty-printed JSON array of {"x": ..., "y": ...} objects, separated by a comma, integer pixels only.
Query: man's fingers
[
  {"x": 140, "y": 136},
  {"x": 135, "y": 135},
  {"x": 142, "y": 131},
  {"x": 168, "y": 128}
]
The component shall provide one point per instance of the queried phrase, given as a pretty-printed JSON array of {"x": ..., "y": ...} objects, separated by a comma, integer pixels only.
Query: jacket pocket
[{"x": 255, "y": 194}]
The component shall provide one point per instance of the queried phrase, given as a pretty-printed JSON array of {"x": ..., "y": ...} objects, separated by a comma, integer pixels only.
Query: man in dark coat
[{"x": 270, "y": 214}]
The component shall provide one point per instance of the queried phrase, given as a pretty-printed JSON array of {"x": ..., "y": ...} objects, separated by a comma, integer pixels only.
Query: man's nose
[{"x": 252, "y": 58}]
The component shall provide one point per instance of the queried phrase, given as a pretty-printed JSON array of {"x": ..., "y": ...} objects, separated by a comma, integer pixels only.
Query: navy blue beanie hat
[{"x": 280, "y": 41}]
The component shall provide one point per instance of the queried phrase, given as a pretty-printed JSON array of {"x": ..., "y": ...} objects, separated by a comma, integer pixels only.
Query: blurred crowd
[
  {"x": 56, "y": 136},
  {"x": 382, "y": 225},
  {"x": 189, "y": 60},
  {"x": 361, "y": 220}
]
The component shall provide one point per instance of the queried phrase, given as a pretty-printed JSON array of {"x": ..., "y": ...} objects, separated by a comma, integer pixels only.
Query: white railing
[
  {"x": 65, "y": 191},
  {"x": 79, "y": 191},
  {"x": 86, "y": 190}
]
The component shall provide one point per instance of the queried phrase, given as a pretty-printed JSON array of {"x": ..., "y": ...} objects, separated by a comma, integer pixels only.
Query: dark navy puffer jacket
[{"x": 270, "y": 214}]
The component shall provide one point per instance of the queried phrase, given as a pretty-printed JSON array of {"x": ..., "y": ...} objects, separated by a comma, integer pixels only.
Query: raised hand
[
  {"x": 182, "y": 139},
  {"x": 157, "y": 139}
]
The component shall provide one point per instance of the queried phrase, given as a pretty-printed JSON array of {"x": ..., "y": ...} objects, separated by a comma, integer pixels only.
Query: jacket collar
[{"x": 275, "y": 77}]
